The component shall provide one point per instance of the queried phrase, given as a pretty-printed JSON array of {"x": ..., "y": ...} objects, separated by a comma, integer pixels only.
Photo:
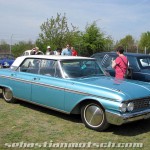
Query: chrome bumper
[{"x": 118, "y": 119}]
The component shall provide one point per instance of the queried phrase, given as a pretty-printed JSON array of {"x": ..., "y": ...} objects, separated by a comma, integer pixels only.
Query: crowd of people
[
  {"x": 68, "y": 51},
  {"x": 120, "y": 64}
]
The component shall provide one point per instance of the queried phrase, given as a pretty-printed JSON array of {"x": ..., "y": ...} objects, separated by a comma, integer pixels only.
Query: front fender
[{"x": 107, "y": 104}]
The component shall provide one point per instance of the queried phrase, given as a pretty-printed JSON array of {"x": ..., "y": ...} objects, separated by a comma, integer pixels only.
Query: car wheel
[
  {"x": 93, "y": 116},
  {"x": 8, "y": 95}
]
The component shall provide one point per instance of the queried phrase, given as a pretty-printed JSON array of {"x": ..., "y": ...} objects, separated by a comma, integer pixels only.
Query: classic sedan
[
  {"x": 139, "y": 64},
  {"x": 76, "y": 85}
]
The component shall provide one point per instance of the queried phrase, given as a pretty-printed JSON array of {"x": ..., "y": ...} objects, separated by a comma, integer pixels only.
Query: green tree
[
  {"x": 144, "y": 42},
  {"x": 128, "y": 43},
  {"x": 108, "y": 43},
  {"x": 20, "y": 47},
  {"x": 4, "y": 47},
  {"x": 93, "y": 40},
  {"x": 56, "y": 33}
]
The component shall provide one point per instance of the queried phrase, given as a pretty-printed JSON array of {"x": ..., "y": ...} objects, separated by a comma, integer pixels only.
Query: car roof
[
  {"x": 56, "y": 57},
  {"x": 126, "y": 53},
  {"x": 20, "y": 59}
]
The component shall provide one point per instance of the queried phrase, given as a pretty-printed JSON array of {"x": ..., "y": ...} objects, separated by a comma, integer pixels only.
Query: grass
[{"x": 24, "y": 122}]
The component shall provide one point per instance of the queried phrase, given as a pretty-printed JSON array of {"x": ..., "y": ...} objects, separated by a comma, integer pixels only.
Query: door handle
[
  {"x": 35, "y": 78},
  {"x": 13, "y": 74}
]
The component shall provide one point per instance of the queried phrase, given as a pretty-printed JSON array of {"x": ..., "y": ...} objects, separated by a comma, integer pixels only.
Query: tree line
[{"x": 56, "y": 32}]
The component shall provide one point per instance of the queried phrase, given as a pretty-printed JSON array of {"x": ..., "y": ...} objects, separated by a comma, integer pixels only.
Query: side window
[
  {"x": 30, "y": 66},
  {"x": 41, "y": 66},
  {"x": 56, "y": 69},
  {"x": 144, "y": 62},
  {"x": 50, "y": 68},
  {"x": 46, "y": 67},
  {"x": 133, "y": 63}
]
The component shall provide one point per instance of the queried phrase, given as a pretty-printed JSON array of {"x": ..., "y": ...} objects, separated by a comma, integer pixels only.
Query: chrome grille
[{"x": 142, "y": 103}]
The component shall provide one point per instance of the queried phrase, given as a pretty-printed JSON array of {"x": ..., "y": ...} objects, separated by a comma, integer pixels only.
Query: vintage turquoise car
[{"x": 76, "y": 85}]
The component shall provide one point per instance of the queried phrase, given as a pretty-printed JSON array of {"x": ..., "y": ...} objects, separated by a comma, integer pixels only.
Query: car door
[
  {"x": 144, "y": 72},
  {"x": 48, "y": 86},
  {"x": 134, "y": 67},
  {"x": 20, "y": 81}
]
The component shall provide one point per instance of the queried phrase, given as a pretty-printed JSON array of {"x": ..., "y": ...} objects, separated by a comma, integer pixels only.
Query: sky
[{"x": 21, "y": 19}]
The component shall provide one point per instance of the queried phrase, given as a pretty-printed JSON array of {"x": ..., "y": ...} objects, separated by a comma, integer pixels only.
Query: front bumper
[{"x": 118, "y": 119}]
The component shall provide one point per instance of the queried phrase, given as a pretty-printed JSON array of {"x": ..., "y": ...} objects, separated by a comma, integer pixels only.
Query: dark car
[
  {"x": 139, "y": 64},
  {"x": 6, "y": 60}
]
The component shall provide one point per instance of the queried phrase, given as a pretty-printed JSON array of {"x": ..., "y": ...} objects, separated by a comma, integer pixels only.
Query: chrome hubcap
[
  {"x": 7, "y": 94},
  {"x": 93, "y": 115}
]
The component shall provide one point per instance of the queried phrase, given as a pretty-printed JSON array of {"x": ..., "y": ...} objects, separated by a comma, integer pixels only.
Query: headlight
[
  {"x": 130, "y": 106},
  {"x": 123, "y": 107}
]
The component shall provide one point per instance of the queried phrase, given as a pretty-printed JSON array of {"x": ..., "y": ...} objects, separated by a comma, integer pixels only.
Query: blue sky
[{"x": 21, "y": 19}]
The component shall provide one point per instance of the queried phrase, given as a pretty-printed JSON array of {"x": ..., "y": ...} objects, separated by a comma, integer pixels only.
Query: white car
[{"x": 28, "y": 52}]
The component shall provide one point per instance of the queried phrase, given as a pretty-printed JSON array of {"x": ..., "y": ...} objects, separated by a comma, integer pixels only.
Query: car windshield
[
  {"x": 144, "y": 62},
  {"x": 80, "y": 68},
  {"x": 106, "y": 61}
]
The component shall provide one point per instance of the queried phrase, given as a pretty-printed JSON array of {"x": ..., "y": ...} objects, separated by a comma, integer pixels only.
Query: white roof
[
  {"x": 19, "y": 60},
  {"x": 56, "y": 57}
]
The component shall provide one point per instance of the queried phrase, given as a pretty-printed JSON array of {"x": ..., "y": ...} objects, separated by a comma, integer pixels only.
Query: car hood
[{"x": 127, "y": 89}]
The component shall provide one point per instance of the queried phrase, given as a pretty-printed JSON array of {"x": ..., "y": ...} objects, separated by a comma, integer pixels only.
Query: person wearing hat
[{"x": 49, "y": 51}]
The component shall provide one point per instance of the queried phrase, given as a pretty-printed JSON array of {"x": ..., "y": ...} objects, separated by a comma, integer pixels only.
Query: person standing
[
  {"x": 67, "y": 51},
  {"x": 58, "y": 51},
  {"x": 120, "y": 64},
  {"x": 74, "y": 52},
  {"x": 49, "y": 51},
  {"x": 35, "y": 51}
]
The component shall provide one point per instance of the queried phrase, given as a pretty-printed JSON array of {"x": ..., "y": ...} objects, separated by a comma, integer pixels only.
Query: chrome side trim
[
  {"x": 59, "y": 88},
  {"x": 141, "y": 73},
  {"x": 52, "y": 108},
  {"x": 118, "y": 119}
]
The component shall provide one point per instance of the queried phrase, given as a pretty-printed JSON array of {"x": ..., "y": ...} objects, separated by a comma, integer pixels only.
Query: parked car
[
  {"x": 139, "y": 64},
  {"x": 76, "y": 85},
  {"x": 6, "y": 60},
  {"x": 28, "y": 52}
]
